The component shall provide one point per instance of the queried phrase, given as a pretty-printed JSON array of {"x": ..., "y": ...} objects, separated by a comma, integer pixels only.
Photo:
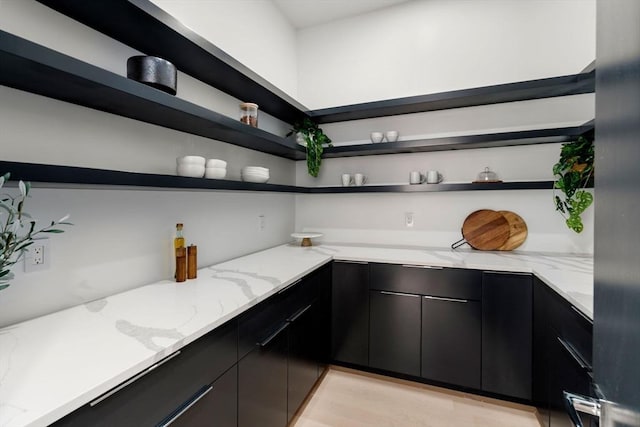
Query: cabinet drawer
[
  {"x": 424, "y": 280},
  {"x": 157, "y": 392},
  {"x": 571, "y": 326},
  {"x": 258, "y": 323}
]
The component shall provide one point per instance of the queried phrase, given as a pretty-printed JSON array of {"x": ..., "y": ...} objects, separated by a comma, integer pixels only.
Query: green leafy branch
[
  {"x": 573, "y": 173},
  {"x": 315, "y": 139},
  {"x": 18, "y": 231}
]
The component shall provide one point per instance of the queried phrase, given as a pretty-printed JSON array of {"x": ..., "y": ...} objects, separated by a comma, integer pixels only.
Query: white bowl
[
  {"x": 377, "y": 136},
  {"x": 215, "y": 173},
  {"x": 191, "y": 170},
  {"x": 216, "y": 163},
  {"x": 391, "y": 135},
  {"x": 255, "y": 169},
  {"x": 254, "y": 178},
  {"x": 191, "y": 160},
  {"x": 255, "y": 173}
]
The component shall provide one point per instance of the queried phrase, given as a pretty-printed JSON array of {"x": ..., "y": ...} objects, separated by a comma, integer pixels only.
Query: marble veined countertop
[{"x": 54, "y": 364}]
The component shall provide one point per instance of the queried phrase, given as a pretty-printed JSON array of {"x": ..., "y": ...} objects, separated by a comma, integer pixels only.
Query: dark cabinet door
[
  {"x": 323, "y": 318},
  {"x": 394, "y": 335},
  {"x": 567, "y": 372},
  {"x": 451, "y": 341},
  {"x": 507, "y": 325},
  {"x": 350, "y": 313},
  {"x": 214, "y": 406},
  {"x": 262, "y": 382},
  {"x": 562, "y": 355},
  {"x": 303, "y": 357}
]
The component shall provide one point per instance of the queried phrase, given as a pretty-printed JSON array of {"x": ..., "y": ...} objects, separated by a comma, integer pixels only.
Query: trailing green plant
[
  {"x": 573, "y": 173},
  {"x": 315, "y": 140},
  {"x": 18, "y": 229}
]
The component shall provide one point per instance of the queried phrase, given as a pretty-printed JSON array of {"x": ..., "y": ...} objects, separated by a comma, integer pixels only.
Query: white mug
[
  {"x": 434, "y": 177},
  {"x": 347, "y": 179},
  {"x": 360, "y": 179},
  {"x": 416, "y": 177},
  {"x": 391, "y": 135}
]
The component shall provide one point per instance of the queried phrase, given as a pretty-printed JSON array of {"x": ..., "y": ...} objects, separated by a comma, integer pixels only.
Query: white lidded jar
[{"x": 249, "y": 114}]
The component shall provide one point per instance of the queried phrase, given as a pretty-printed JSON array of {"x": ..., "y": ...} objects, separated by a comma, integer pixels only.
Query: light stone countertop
[{"x": 54, "y": 364}]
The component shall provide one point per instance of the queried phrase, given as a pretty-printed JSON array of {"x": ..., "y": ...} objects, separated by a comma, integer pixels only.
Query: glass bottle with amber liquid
[{"x": 180, "y": 254}]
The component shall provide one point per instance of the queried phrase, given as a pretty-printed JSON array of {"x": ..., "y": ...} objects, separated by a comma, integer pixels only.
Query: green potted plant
[
  {"x": 314, "y": 139},
  {"x": 18, "y": 229},
  {"x": 573, "y": 172}
]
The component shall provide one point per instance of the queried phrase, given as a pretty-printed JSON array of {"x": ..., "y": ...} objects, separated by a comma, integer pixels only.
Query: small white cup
[
  {"x": 391, "y": 135},
  {"x": 360, "y": 179},
  {"x": 434, "y": 177},
  {"x": 347, "y": 179},
  {"x": 416, "y": 177},
  {"x": 377, "y": 136}
]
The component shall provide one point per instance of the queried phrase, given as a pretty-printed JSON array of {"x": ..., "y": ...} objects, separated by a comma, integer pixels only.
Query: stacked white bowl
[
  {"x": 192, "y": 166},
  {"x": 216, "y": 169},
  {"x": 255, "y": 174}
]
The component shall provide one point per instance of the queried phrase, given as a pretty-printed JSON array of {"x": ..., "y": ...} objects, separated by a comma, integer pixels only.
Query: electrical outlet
[
  {"x": 408, "y": 219},
  {"x": 262, "y": 222},
  {"x": 38, "y": 256}
]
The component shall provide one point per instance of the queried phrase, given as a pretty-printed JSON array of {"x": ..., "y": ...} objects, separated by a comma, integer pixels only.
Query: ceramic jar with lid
[{"x": 249, "y": 114}]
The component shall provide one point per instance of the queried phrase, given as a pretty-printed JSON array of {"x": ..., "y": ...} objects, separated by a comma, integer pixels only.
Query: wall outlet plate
[
  {"x": 408, "y": 219},
  {"x": 38, "y": 257}
]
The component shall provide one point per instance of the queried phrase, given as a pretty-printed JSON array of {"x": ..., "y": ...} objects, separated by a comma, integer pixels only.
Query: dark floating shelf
[
  {"x": 573, "y": 84},
  {"x": 526, "y": 137},
  {"x": 64, "y": 176},
  {"x": 72, "y": 175},
  {"x": 33, "y": 68},
  {"x": 431, "y": 188},
  {"x": 149, "y": 29}
]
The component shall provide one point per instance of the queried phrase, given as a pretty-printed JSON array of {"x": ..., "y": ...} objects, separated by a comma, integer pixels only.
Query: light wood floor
[{"x": 347, "y": 398}]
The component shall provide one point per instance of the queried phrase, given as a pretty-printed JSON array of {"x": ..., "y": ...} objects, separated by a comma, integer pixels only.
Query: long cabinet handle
[
  {"x": 446, "y": 299},
  {"x": 271, "y": 337},
  {"x": 186, "y": 408},
  {"x": 133, "y": 379},
  {"x": 298, "y": 314},
  {"x": 428, "y": 267},
  {"x": 400, "y": 294},
  {"x": 352, "y": 262},
  {"x": 289, "y": 286},
  {"x": 584, "y": 316},
  {"x": 574, "y": 354}
]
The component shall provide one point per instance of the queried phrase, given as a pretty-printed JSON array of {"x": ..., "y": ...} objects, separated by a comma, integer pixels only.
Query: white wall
[
  {"x": 427, "y": 46},
  {"x": 252, "y": 31},
  {"x": 122, "y": 237}
]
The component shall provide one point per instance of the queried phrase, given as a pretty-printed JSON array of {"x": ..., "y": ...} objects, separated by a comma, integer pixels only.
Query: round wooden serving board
[
  {"x": 486, "y": 230},
  {"x": 518, "y": 231}
]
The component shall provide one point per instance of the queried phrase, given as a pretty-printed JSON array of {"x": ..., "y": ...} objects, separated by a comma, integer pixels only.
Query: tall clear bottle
[{"x": 180, "y": 255}]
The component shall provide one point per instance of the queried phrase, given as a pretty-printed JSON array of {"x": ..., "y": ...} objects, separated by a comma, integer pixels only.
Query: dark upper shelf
[
  {"x": 526, "y": 137},
  {"x": 28, "y": 66},
  {"x": 149, "y": 29},
  {"x": 72, "y": 175},
  {"x": 573, "y": 84}
]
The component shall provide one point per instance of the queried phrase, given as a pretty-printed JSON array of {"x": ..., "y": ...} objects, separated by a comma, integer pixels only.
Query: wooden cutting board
[
  {"x": 486, "y": 230},
  {"x": 518, "y": 231}
]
